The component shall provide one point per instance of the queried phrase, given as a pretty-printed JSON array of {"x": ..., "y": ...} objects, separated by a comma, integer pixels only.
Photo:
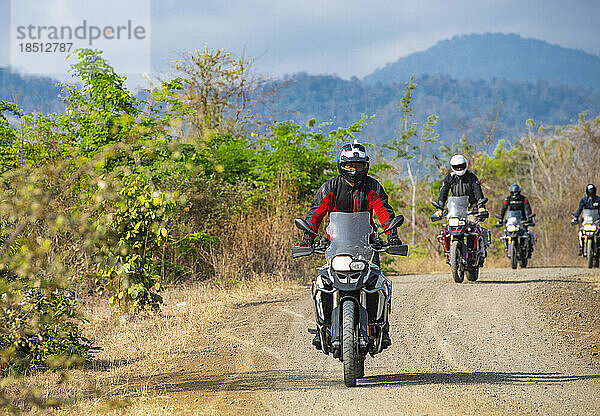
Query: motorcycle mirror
[
  {"x": 395, "y": 223},
  {"x": 301, "y": 251},
  {"x": 303, "y": 225},
  {"x": 401, "y": 250}
]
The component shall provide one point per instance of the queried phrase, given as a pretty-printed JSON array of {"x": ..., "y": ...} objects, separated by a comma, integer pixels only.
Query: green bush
[{"x": 40, "y": 327}]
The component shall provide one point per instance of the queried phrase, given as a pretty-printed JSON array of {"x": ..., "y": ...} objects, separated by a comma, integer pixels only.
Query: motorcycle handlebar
[{"x": 378, "y": 245}]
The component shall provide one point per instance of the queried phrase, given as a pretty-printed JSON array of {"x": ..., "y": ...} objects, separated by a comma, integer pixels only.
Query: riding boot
[
  {"x": 483, "y": 249},
  {"x": 317, "y": 342},
  {"x": 386, "y": 341}
]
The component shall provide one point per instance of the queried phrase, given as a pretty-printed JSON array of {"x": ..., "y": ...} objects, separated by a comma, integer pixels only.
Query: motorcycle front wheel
[
  {"x": 589, "y": 251},
  {"x": 512, "y": 250},
  {"x": 349, "y": 344},
  {"x": 458, "y": 272}
]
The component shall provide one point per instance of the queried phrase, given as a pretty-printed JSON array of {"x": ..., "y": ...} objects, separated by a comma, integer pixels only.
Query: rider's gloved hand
[
  {"x": 483, "y": 214},
  {"x": 436, "y": 215},
  {"x": 574, "y": 220},
  {"x": 393, "y": 239},
  {"x": 307, "y": 241}
]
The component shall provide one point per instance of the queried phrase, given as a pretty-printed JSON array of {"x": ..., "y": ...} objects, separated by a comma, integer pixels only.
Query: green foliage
[
  {"x": 292, "y": 157},
  {"x": 39, "y": 327},
  {"x": 414, "y": 140},
  {"x": 7, "y": 132},
  {"x": 103, "y": 111},
  {"x": 132, "y": 252}
]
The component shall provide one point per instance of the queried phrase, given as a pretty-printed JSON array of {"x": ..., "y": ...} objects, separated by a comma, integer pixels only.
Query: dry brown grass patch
[{"x": 136, "y": 348}]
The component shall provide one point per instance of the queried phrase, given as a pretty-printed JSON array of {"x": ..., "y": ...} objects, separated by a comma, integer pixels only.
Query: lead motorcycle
[
  {"x": 518, "y": 240},
  {"x": 461, "y": 239},
  {"x": 351, "y": 295},
  {"x": 588, "y": 237}
]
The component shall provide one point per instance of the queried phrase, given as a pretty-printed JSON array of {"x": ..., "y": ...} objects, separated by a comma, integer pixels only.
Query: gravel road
[{"x": 471, "y": 348}]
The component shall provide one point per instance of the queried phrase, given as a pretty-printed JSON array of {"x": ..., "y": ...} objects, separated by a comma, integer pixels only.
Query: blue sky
[{"x": 346, "y": 37}]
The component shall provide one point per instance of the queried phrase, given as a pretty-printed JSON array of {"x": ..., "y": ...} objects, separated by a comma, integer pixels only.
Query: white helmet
[{"x": 458, "y": 163}]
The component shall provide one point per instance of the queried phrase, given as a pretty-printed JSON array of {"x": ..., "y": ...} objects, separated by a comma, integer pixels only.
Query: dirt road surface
[{"x": 515, "y": 342}]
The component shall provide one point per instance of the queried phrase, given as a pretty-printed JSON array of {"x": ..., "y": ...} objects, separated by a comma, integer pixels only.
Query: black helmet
[
  {"x": 590, "y": 190},
  {"x": 353, "y": 152},
  {"x": 515, "y": 190}
]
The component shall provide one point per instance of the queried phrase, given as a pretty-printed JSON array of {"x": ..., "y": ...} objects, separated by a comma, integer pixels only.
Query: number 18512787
[{"x": 45, "y": 47}]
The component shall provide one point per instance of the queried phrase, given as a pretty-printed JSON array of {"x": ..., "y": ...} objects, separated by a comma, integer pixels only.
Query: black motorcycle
[
  {"x": 588, "y": 237},
  {"x": 461, "y": 239},
  {"x": 351, "y": 295},
  {"x": 518, "y": 239}
]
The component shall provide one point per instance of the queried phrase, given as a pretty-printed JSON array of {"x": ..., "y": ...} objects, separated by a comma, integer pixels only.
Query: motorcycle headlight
[
  {"x": 341, "y": 263},
  {"x": 589, "y": 227},
  {"x": 358, "y": 265},
  {"x": 511, "y": 228},
  {"x": 453, "y": 222}
]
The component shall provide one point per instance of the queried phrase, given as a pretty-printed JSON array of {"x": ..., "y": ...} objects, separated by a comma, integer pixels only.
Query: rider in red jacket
[{"x": 352, "y": 191}]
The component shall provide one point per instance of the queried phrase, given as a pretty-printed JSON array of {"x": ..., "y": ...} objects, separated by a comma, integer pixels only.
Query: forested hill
[
  {"x": 460, "y": 105},
  {"x": 488, "y": 56},
  {"x": 463, "y": 80},
  {"x": 31, "y": 93}
]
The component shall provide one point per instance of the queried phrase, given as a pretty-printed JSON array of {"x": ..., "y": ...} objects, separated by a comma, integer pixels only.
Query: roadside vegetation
[{"x": 189, "y": 196}]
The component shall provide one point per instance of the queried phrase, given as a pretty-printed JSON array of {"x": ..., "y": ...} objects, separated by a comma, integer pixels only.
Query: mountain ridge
[{"x": 495, "y": 55}]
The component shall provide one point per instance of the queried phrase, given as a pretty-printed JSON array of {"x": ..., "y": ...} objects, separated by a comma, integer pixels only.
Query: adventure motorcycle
[
  {"x": 518, "y": 240},
  {"x": 588, "y": 237},
  {"x": 351, "y": 295},
  {"x": 461, "y": 239}
]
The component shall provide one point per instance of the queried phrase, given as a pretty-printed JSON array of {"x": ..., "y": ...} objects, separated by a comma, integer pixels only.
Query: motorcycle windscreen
[
  {"x": 349, "y": 234},
  {"x": 513, "y": 217},
  {"x": 590, "y": 216},
  {"x": 458, "y": 206}
]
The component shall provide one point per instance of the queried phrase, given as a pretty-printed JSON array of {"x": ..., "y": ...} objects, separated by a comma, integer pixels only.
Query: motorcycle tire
[
  {"x": 472, "y": 274},
  {"x": 458, "y": 272},
  {"x": 589, "y": 251},
  {"x": 524, "y": 262},
  {"x": 349, "y": 344},
  {"x": 512, "y": 252}
]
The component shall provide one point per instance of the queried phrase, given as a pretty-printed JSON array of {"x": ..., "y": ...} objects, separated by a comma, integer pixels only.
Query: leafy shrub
[
  {"x": 40, "y": 327},
  {"x": 133, "y": 263}
]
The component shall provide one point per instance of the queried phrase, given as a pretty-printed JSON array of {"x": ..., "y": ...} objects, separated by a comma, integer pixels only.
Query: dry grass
[{"x": 135, "y": 349}]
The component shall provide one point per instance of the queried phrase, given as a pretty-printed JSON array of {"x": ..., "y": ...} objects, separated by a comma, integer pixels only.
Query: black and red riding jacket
[
  {"x": 336, "y": 195},
  {"x": 516, "y": 203}
]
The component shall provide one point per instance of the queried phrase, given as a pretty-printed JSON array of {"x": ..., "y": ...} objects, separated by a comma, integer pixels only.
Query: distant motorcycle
[
  {"x": 588, "y": 237},
  {"x": 461, "y": 239},
  {"x": 518, "y": 240},
  {"x": 351, "y": 295}
]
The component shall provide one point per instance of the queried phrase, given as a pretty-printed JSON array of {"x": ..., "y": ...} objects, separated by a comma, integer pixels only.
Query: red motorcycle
[{"x": 462, "y": 240}]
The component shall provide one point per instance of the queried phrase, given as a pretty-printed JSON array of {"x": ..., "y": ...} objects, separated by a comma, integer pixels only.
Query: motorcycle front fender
[{"x": 363, "y": 319}]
